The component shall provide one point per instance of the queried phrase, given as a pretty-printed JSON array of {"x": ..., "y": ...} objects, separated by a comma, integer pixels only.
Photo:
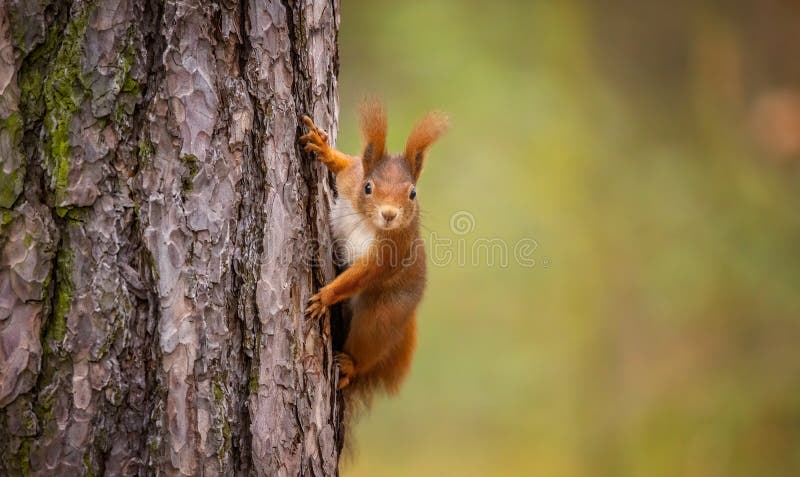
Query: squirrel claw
[
  {"x": 347, "y": 369},
  {"x": 309, "y": 122},
  {"x": 315, "y": 308},
  {"x": 344, "y": 381},
  {"x": 316, "y": 140},
  {"x": 310, "y": 147},
  {"x": 315, "y": 135}
]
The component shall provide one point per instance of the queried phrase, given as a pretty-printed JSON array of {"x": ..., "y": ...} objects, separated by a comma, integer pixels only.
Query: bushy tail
[{"x": 385, "y": 378}]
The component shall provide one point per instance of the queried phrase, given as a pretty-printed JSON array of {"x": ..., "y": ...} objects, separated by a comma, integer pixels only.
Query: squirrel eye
[
  {"x": 412, "y": 194},
  {"x": 368, "y": 188}
]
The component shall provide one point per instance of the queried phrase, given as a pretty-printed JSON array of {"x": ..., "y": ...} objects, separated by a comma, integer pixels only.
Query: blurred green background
[{"x": 651, "y": 149}]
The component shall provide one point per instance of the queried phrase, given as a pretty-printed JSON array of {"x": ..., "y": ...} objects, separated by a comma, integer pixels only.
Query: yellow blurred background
[{"x": 652, "y": 152}]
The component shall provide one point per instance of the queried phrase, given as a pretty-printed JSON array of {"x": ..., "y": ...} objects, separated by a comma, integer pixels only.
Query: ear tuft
[
  {"x": 373, "y": 128},
  {"x": 425, "y": 133}
]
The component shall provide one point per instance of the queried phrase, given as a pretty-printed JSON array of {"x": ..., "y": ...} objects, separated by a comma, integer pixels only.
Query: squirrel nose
[{"x": 389, "y": 214}]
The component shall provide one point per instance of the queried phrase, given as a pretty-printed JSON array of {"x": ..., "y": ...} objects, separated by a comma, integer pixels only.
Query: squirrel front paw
[
  {"x": 316, "y": 309},
  {"x": 316, "y": 140},
  {"x": 347, "y": 369}
]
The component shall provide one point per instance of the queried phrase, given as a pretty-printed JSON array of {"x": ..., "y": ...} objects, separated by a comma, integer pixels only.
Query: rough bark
[{"x": 160, "y": 233}]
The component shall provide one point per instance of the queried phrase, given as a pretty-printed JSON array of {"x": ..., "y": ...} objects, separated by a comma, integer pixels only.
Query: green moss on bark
[
  {"x": 145, "y": 152},
  {"x": 25, "y": 457},
  {"x": 127, "y": 58},
  {"x": 87, "y": 462},
  {"x": 128, "y": 87},
  {"x": 252, "y": 381},
  {"x": 63, "y": 92},
  {"x": 226, "y": 439},
  {"x": 187, "y": 179},
  {"x": 11, "y": 182},
  {"x": 221, "y": 420},
  {"x": 53, "y": 333},
  {"x": 13, "y": 124},
  {"x": 217, "y": 392},
  {"x": 64, "y": 289},
  {"x": 6, "y": 217},
  {"x": 33, "y": 71},
  {"x": 43, "y": 405}
]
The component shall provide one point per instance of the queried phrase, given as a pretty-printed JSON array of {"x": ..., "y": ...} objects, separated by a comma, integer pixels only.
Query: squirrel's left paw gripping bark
[{"x": 316, "y": 309}]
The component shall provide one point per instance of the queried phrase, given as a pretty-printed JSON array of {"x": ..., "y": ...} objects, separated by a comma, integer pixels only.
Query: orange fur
[
  {"x": 373, "y": 129},
  {"x": 425, "y": 133},
  {"x": 385, "y": 284}
]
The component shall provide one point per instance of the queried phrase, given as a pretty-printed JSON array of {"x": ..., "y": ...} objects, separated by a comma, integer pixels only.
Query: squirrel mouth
[{"x": 384, "y": 224}]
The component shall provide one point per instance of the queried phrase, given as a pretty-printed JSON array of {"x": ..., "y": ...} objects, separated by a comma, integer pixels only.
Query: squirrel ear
[
  {"x": 373, "y": 128},
  {"x": 425, "y": 132}
]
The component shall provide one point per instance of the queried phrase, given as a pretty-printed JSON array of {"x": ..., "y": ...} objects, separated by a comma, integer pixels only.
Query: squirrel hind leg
[
  {"x": 362, "y": 379},
  {"x": 347, "y": 369},
  {"x": 393, "y": 369}
]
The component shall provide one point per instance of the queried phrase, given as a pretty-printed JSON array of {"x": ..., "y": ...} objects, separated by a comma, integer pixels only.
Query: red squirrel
[{"x": 375, "y": 219}]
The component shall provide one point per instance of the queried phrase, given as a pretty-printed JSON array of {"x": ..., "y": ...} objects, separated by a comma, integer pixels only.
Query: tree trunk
[{"x": 160, "y": 235}]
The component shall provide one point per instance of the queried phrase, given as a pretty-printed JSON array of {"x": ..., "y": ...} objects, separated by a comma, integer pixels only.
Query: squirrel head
[{"x": 388, "y": 193}]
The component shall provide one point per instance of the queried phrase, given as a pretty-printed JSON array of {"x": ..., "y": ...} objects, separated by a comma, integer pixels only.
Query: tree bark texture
[{"x": 160, "y": 234}]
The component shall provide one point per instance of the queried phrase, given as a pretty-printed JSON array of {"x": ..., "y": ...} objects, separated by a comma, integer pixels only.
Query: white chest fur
[{"x": 354, "y": 234}]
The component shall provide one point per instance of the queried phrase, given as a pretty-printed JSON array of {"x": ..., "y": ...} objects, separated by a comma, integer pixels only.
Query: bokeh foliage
[{"x": 651, "y": 149}]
